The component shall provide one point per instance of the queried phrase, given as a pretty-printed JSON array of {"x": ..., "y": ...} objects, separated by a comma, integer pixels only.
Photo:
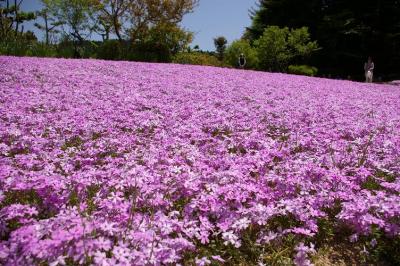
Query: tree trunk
[
  {"x": 16, "y": 18},
  {"x": 47, "y": 29},
  {"x": 117, "y": 28}
]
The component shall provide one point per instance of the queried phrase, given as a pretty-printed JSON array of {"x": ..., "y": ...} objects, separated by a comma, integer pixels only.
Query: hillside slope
[{"x": 133, "y": 163}]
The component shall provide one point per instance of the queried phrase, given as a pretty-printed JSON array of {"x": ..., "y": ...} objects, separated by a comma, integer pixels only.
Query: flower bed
[{"x": 131, "y": 164}]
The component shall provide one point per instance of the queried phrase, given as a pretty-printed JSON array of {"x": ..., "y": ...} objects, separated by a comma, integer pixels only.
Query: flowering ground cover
[{"x": 121, "y": 163}]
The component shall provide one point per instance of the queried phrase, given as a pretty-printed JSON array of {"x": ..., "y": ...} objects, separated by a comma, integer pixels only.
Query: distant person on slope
[
  {"x": 242, "y": 61},
  {"x": 369, "y": 70}
]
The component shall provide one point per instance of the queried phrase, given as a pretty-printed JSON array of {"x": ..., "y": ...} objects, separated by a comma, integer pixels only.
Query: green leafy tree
[
  {"x": 150, "y": 27},
  {"x": 220, "y": 46},
  {"x": 272, "y": 49},
  {"x": 50, "y": 24},
  {"x": 103, "y": 27},
  {"x": 12, "y": 18},
  {"x": 154, "y": 27},
  {"x": 132, "y": 19},
  {"x": 112, "y": 14},
  {"x": 300, "y": 45},
  {"x": 241, "y": 47},
  {"x": 76, "y": 20},
  {"x": 278, "y": 47},
  {"x": 161, "y": 42},
  {"x": 74, "y": 15}
]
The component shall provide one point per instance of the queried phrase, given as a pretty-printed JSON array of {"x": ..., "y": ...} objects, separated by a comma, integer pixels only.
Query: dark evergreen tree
[
  {"x": 220, "y": 46},
  {"x": 347, "y": 31}
]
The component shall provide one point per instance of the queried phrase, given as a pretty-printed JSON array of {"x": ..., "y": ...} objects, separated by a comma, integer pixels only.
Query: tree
[
  {"x": 114, "y": 14},
  {"x": 241, "y": 47},
  {"x": 220, "y": 46},
  {"x": 300, "y": 45},
  {"x": 348, "y": 31},
  {"x": 103, "y": 27},
  {"x": 154, "y": 27},
  {"x": 272, "y": 49},
  {"x": 162, "y": 42},
  {"x": 50, "y": 23},
  {"x": 278, "y": 47},
  {"x": 147, "y": 14},
  {"x": 11, "y": 17},
  {"x": 76, "y": 19},
  {"x": 74, "y": 15},
  {"x": 284, "y": 13},
  {"x": 133, "y": 18}
]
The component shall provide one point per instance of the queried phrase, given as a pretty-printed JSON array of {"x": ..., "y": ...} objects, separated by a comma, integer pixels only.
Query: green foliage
[
  {"x": 42, "y": 50},
  {"x": 278, "y": 47},
  {"x": 110, "y": 50},
  {"x": 303, "y": 70},
  {"x": 74, "y": 142},
  {"x": 160, "y": 43},
  {"x": 151, "y": 34},
  {"x": 371, "y": 184},
  {"x": 11, "y": 18},
  {"x": 272, "y": 49},
  {"x": 71, "y": 49},
  {"x": 22, "y": 197},
  {"x": 220, "y": 46},
  {"x": 278, "y": 252},
  {"x": 300, "y": 44},
  {"x": 387, "y": 250},
  {"x": 196, "y": 58},
  {"x": 348, "y": 31},
  {"x": 238, "y": 47},
  {"x": 75, "y": 15},
  {"x": 18, "y": 45},
  {"x": 50, "y": 24},
  {"x": 12, "y": 47}
]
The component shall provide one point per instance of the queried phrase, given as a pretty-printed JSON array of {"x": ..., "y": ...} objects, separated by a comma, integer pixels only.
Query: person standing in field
[
  {"x": 242, "y": 61},
  {"x": 369, "y": 70}
]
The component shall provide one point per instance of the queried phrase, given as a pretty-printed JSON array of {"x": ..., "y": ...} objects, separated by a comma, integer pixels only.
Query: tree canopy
[
  {"x": 220, "y": 46},
  {"x": 12, "y": 17},
  {"x": 347, "y": 31}
]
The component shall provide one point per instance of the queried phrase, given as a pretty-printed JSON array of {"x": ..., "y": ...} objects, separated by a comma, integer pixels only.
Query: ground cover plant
[{"x": 122, "y": 163}]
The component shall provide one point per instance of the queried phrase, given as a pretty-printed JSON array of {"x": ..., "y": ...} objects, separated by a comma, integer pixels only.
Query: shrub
[
  {"x": 197, "y": 58},
  {"x": 42, "y": 50},
  {"x": 71, "y": 49},
  {"x": 303, "y": 70},
  {"x": 236, "y": 48},
  {"x": 13, "y": 47},
  {"x": 278, "y": 47},
  {"x": 17, "y": 44},
  {"x": 109, "y": 50}
]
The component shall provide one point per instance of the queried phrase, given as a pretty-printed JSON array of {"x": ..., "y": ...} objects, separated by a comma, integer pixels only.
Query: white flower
[
  {"x": 241, "y": 224},
  {"x": 231, "y": 238}
]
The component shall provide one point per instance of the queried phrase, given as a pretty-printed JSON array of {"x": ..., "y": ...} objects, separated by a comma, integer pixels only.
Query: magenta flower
[{"x": 126, "y": 163}]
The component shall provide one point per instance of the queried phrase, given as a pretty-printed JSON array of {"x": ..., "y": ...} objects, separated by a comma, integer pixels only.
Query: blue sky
[{"x": 210, "y": 19}]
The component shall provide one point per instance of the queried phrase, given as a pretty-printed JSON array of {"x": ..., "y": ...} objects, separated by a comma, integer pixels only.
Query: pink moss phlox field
[{"x": 131, "y": 163}]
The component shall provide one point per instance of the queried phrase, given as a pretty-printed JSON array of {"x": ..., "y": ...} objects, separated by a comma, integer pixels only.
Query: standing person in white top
[
  {"x": 242, "y": 61},
  {"x": 369, "y": 70}
]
